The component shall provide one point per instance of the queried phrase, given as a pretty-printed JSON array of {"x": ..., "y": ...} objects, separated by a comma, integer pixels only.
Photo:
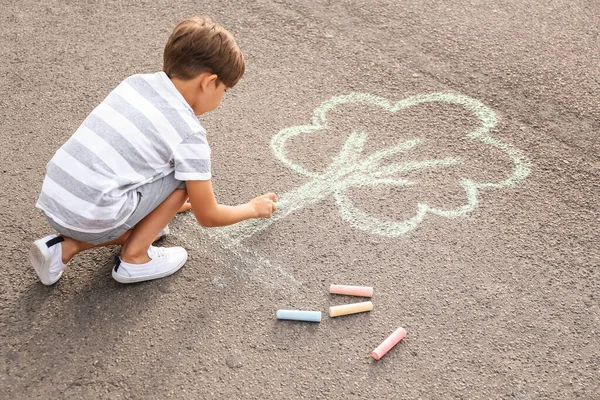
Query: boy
[{"x": 137, "y": 158}]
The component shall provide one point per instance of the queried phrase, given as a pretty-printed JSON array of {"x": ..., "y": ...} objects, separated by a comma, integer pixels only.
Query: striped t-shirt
[{"x": 142, "y": 131}]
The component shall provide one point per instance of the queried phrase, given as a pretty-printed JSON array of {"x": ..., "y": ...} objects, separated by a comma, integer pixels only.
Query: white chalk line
[{"x": 350, "y": 169}]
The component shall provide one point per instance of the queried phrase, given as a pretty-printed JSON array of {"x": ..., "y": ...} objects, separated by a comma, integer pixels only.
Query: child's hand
[{"x": 264, "y": 205}]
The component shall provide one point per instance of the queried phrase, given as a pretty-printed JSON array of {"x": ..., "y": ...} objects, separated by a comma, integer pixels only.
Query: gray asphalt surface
[{"x": 501, "y": 303}]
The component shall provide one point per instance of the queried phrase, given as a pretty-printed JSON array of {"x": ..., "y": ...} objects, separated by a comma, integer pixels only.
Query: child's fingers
[{"x": 272, "y": 196}]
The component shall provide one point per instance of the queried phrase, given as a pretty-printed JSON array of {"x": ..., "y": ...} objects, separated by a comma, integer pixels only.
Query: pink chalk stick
[
  {"x": 361, "y": 291},
  {"x": 388, "y": 343}
]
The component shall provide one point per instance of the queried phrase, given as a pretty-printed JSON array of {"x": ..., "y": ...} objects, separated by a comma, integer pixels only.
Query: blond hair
[{"x": 198, "y": 45}]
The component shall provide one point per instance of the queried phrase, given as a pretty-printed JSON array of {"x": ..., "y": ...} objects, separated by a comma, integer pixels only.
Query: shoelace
[{"x": 157, "y": 252}]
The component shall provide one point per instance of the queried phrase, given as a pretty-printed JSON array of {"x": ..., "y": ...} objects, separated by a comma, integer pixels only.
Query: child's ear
[{"x": 206, "y": 80}]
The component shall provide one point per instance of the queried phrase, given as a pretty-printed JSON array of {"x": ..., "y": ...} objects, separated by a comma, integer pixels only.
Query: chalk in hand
[
  {"x": 388, "y": 343},
  {"x": 346, "y": 309},
  {"x": 361, "y": 291},
  {"x": 299, "y": 315}
]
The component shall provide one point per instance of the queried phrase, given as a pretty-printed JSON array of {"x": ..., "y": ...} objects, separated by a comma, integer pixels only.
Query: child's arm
[{"x": 210, "y": 214}]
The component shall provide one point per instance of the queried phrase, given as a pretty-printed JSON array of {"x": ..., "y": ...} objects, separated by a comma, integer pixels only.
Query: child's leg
[
  {"x": 49, "y": 255},
  {"x": 135, "y": 246},
  {"x": 71, "y": 247},
  {"x": 159, "y": 201},
  {"x": 146, "y": 231}
]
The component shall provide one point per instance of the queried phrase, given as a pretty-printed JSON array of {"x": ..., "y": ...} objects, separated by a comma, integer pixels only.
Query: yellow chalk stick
[{"x": 346, "y": 309}]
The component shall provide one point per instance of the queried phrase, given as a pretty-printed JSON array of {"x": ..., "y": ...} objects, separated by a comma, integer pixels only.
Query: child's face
[{"x": 210, "y": 98}]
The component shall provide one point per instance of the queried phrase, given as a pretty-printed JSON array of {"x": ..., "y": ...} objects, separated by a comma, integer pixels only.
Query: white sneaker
[
  {"x": 164, "y": 261},
  {"x": 162, "y": 234},
  {"x": 46, "y": 257}
]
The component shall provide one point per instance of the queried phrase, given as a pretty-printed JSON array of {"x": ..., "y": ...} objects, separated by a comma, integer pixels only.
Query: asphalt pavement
[{"x": 443, "y": 153}]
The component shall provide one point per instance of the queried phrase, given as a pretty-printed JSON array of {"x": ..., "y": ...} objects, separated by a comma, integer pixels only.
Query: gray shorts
[{"x": 150, "y": 196}]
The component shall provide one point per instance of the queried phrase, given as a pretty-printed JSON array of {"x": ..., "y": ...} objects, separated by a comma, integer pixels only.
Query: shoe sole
[
  {"x": 39, "y": 256},
  {"x": 127, "y": 279}
]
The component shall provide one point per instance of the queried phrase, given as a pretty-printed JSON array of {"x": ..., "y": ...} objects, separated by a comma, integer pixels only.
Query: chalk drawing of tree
[{"x": 350, "y": 168}]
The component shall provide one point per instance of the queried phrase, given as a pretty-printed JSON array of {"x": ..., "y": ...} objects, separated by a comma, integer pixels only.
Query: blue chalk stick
[{"x": 298, "y": 315}]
